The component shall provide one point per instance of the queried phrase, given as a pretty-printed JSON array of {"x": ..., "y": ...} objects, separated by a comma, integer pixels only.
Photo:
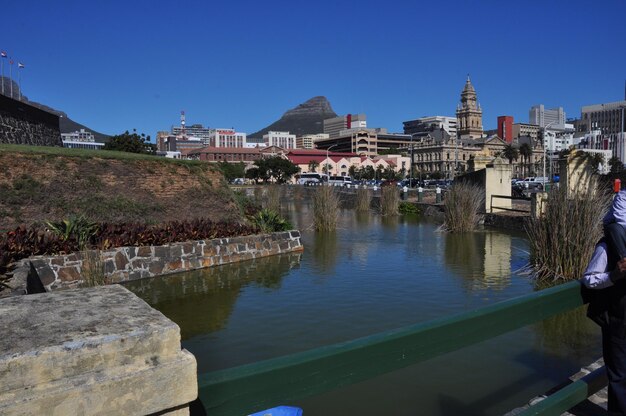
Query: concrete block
[{"x": 91, "y": 351}]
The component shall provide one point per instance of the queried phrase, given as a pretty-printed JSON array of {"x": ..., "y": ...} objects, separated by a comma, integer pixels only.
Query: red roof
[{"x": 211, "y": 149}]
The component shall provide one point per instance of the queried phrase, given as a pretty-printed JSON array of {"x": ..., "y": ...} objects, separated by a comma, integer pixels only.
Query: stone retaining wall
[{"x": 130, "y": 263}]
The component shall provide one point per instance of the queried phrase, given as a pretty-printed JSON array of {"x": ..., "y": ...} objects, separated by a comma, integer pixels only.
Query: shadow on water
[
  {"x": 201, "y": 301},
  {"x": 325, "y": 252}
]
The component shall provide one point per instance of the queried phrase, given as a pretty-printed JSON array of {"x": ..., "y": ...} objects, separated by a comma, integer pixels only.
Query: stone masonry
[{"x": 130, "y": 263}]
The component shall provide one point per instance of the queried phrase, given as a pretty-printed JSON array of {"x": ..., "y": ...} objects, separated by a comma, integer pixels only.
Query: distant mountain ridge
[
  {"x": 306, "y": 118},
  {"x": 66, "y": 124}
]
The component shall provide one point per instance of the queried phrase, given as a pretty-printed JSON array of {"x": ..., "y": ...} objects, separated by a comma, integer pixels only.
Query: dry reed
[
  {"x": 363, "y": 200},
  {"x": 92, "y": 270},
  {"x": 389, "y": 201},
  {"x": 462, "y": 207},
  {"x": 325, "y": 208},
  {"x": 272, "y": 198},
  {"x": 563, "y": 238}
]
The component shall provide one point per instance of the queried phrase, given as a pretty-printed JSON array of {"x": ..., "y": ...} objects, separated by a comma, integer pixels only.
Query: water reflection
[
  {"x": 483, "y": 259},
  {"x": 202, "y": 301},
  {"x": 325, "y": 252}
]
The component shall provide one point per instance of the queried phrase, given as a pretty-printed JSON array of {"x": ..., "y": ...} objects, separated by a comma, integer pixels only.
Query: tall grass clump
[
  {"x": 270, "y": 221},
  {"x": 462, "y": 207},
  {"x": 363, "y": 199},
  {"x": 325, "y": 208},
  {"x": 563, "y": 238},
  {"x": 389, "y": 201},
  {"x": 92, "y": 270},
  {"x": 272, "y": 198}
]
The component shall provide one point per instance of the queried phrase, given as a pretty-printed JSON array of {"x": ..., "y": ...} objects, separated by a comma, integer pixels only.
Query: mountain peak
[{"x": 305, "y": 118}]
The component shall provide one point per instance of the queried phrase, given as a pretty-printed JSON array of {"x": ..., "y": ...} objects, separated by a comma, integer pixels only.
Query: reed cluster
[
  {"x": 92, "y": 270},
  {"x": 462, "y": 208},
  {"x": 389, "y": 200},
  {"x": 363, "y": 200},
  {"x": 563, "y": 238},
  {"x": 272, "y": 198},
  {"x": 325, "y": 208}
]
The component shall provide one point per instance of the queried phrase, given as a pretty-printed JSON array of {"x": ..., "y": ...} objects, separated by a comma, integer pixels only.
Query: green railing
[{"x": 262, "y": 385}]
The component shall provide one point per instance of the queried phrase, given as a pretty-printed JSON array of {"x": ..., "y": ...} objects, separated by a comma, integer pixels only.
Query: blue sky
[{"x": 115, "y": 65}]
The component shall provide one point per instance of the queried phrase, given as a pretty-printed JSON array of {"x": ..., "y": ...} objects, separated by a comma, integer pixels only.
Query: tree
[
  {"x": 313, "y": 166},
  {"x": 278, "y": 168},
  {"x": 510, "y": 152},
  {"x": 131, "y": 142},
  {"x": 354, "y": 172},
  {"x": 368, "y": 172},
  {"x": 254, "y": 174},
  {"x": 526, "y": 152},
  {"x": 232, "y": 170},
  {"x": 616, "y": 165}
]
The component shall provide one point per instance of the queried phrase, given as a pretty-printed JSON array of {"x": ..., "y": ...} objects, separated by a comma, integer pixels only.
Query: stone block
[
  {"x": 121, "y": 260},
  {"x": 156, "y": 267},
  {"x": 144, "y": 251},
  {"x": 65, "y": 353},
  {"x": 187, "y": 248},
  {"x": 162, "y": 252},
  {"x": 46, "y": 275},
  {"x": 131, "y": 252},
  {"x": 57, "y": 261},
  {"x": 109, "y": 266},
  {"x": 176, "y": 252},
  {"x": 68, "y": 274},
  {"x": 294, "y": 234}
]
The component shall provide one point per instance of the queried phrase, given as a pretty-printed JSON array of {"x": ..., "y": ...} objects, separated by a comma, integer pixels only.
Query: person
[{"x": 605, "y": 283}]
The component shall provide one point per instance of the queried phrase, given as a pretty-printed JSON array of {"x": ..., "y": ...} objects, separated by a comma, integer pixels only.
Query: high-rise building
[
  {"x": 609, "y": 118},
  {"x": 505, "y": 128},
  {"x": 542, "y": 117},
  {"x": 469, "y": 114},
  {"x": 195, "y": 130},
  {"x": 426, "y": 124},
  {"x": 281, "y": 139},
  {"x": 308, "y": 140},
  {"x": 332, "y": 126}
]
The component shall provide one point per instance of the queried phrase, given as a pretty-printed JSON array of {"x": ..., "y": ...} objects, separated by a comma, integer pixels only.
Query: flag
[
  {"x": 3, "y": 54},
  {"x": 20, "y": 65},
  {"x": 11, "y": 62}
]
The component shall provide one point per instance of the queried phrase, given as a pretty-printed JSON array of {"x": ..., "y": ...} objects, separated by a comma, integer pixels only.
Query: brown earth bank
[{"x": 38, "y": 187}]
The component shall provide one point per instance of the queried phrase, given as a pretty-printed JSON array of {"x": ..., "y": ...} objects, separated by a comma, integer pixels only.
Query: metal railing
[{"x": 262, "y": 385}]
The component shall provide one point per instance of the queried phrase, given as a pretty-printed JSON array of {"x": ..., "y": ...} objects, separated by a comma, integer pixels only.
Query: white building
[
  {"x": 332, "y": 126},
  {"x": 225, "y": 138},
  {"x": 280, "y": 138},
  {"x": 559, "y": 138},
  {"x": 195, "y": 130},
  {"x": 442, "y": 122},
  {"x": 615, "y": 143},
  {"x": 80, "y": 140},
  {"x": 541, "y": 116},
  {"x": 308, "y": 140}
]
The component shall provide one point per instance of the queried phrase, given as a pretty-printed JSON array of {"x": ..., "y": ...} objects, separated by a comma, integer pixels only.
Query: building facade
[
  {"x": 609, "y": 118},
  {"x": 505, "y": 128},
  {"x": 469, "y": 114},
  {"x": 333, "y": 126},
  {"x": 426, "y": 124},
  {"x": 365, "y": 142},
  {"x": 80, "y": 139},
  {"x": 225, "y": 138},
  {"x": 308, "y": 140},
  {"x": 280, "y": 139},
  {"x": 526, "y": 130},
  {"x": 540, "y": 116}
]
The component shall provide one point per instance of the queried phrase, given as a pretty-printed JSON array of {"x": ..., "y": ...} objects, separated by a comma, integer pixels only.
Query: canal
[{"x": 374, "y": 274}]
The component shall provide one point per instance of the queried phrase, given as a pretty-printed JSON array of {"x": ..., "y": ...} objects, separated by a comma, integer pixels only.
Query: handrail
[{"x": 261, "y": 385}]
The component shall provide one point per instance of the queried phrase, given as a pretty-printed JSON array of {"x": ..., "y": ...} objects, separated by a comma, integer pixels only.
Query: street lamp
[
  {"x": 327, "y": 149},
  {"x": 544, "y": 150},
  {"x": 411, "y": 165}
]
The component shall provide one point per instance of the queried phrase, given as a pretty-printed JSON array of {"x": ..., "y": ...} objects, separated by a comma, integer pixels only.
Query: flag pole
[
  {"x": 19, "y": 81},
  {"x": 2, "y": 69},
  {"x": 11, "y": 76}
]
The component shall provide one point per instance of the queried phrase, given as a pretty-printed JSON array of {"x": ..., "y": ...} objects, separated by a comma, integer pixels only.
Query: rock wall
[
  {"x": 130, "y": 263},
  {"x": 21, "y": 123}
]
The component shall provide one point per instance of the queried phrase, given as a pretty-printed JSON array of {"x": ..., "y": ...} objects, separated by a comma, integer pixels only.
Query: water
[{"x": 372, "y": 275}]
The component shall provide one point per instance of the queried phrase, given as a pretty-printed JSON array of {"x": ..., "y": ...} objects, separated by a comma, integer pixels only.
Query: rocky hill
[
  {"x": 53, "y": 184},
  {"x": 306, "y": 118},
  {"x": 66, "y": 124}
]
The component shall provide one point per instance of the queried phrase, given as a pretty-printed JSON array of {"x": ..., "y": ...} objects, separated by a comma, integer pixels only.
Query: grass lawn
[{"x": 88, "y": 154}]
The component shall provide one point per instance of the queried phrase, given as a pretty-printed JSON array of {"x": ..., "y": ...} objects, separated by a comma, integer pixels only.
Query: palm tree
[
  {"x": 526, "y": 151},
  {"x": 510, "y": 152},
  {"x": 313, "y": 166}
]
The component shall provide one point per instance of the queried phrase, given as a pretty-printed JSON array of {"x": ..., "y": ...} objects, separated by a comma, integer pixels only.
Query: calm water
[{"x": 373, "y": 275}]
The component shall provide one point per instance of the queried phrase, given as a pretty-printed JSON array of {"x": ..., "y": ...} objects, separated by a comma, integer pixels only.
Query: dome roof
[{"x": 468, "y": 86}]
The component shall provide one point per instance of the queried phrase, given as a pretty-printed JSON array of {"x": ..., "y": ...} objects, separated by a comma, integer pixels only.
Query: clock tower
[{"x": 469, "y": 114}]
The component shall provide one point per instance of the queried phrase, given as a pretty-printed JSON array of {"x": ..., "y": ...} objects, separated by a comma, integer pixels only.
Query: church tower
[{"x": 469, "y": 114}]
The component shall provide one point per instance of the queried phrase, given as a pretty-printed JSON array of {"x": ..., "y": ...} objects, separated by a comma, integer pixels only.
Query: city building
[
  {"x": 333, "y": 126},
  {"x": 225, "y": 154},
  {"x": 339, "y": 163},
  {"x": 505, "y": 128},
  {"x": 80, "y": 139},
  {"x": 426, "y": 124},
  {"x": 280, "y": 138},
  {"x": 365, "y": 142},
  {"x": 308, "y": 140},
  {"x": 195, "y": 130},
  {"x": 540, "y": 116},
  {"x": 609, "y": 118},
  {"x": 469, "y": 114},
  {"x": 526, "y": 130},
  {"x": 225, "y": 138}
]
